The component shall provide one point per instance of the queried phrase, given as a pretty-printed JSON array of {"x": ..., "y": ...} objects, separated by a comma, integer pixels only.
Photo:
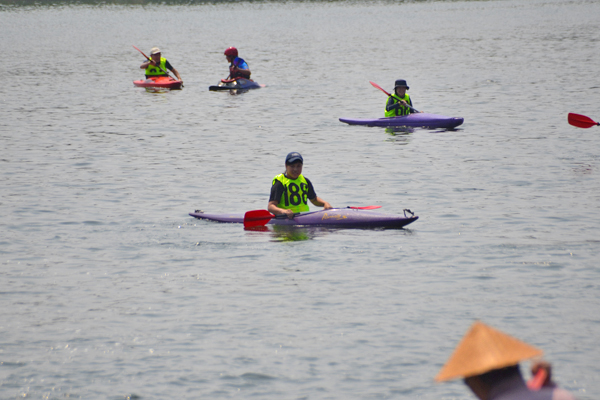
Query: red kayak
[{"x": 159, "y": 82}]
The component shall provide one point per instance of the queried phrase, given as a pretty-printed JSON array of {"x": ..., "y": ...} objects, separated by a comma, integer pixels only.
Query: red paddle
[
  {"x": 151, "y": 60},
  {"x": 538, "y": 380},
  {"x": 581, "y": 121},
  {"x": 380, "y": 88},
  {"x": 262, "y": 217},
  {"x": 257, "y": 218}
]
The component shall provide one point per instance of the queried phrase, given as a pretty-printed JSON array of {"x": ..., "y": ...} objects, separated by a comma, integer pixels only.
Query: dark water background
[{"x": 108, "y": 289}]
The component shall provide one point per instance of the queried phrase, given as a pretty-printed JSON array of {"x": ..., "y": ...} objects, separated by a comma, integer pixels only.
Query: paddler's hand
[
  {"x": 289, "y": 213},
  {"x": 326, "y": 206},
  {"x": 536, "y": 366}
]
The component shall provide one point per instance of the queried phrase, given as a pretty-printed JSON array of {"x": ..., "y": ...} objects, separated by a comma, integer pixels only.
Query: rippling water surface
[{"x": 110, "y": 290}]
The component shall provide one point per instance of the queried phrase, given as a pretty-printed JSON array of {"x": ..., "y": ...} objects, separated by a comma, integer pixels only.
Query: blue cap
[{"x": 293, "y": 157}]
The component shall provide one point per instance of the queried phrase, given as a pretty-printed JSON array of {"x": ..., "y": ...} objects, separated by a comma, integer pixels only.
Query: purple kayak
[
  {"x": 419, "y": 120},
  {"x": 334, "y": 218}
]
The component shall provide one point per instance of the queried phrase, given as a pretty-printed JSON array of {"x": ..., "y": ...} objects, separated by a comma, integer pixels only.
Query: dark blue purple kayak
[
  {"x": 417, "y": 120},
  {"x": 334, "y": 218}
]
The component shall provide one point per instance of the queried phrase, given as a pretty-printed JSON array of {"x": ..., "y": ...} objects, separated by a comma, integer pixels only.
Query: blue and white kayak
[{"x": 235, "y": 84}]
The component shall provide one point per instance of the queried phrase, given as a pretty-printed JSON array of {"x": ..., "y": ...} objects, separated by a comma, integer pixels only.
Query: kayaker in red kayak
[
  {"x": 399, "y": 103},
  {"x": 291, "y": 191},
  {"x": 158, "y": 66},
  {"x": 238, "y": 68}
]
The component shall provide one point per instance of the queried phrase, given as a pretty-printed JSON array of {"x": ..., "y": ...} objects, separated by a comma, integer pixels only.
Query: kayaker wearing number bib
[
  {"x": 153, "y": 67},
  {"x": 238, "y": 68},
  {"x": 397, "y": 103},
  {"x": 291, "y": 190}
]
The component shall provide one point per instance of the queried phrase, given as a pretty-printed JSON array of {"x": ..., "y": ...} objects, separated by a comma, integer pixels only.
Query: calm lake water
[{"x": 109, "y": 290}]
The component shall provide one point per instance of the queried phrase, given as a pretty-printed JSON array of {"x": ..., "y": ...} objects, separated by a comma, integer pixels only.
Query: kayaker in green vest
[
  {"x": 398, "y": 103},
  {"x": 291, "y": 191},
  {"x": 158, "y": 66}
]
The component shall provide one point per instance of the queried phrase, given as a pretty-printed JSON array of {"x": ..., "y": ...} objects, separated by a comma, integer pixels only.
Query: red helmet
[{"x": 232, "y": 51}]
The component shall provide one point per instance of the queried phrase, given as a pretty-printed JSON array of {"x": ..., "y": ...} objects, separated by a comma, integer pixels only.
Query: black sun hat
[{"x": 400, "y": 83}]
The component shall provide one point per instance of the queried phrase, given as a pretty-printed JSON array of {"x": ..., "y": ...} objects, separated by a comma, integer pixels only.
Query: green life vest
[
  {"x": 295, "y": 193},
  {"x": 400, "y": 110},
  {"x": 151, "y": 70}
]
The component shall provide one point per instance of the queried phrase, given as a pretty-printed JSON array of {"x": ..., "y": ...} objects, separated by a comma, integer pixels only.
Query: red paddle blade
[
  {"x": 581, "y": 121},
  {"x": 379, "y": 87},
  {"x": 538, "y": 380},
  {"x": 365, "y": 208},
  {"x": 257, "y": 218}
]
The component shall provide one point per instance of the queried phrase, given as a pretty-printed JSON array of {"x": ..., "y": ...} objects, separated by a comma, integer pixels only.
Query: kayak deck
[
  {"x": 159, "y": 82},
  {"x": 420, "y": 120},
  {"x": 335, "y": 218},
  {"x": 235, "y": 84}
]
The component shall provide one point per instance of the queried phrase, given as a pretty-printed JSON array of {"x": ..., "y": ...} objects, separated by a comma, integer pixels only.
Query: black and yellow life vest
[
  {"x": 295, "y": 193},
  {"x": 151, "y": 70},
  {"x": 402, "y": 110}
]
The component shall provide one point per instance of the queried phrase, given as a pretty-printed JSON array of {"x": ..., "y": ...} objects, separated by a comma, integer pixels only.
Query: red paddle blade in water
[
  {"x": 538, "y": 380},
  {"x": 581, "y": 121},
  {"x": 257, "y": 218}
]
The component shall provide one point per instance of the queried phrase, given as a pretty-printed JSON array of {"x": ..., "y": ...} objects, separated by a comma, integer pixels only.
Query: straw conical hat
[{"x": 483, "y": 349}]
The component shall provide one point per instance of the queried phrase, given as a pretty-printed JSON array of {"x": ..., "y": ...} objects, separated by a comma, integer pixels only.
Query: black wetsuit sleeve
[
  {"x": 168, "y": 65},
  {"x": 276, "y": 192},
  {"x": 311, "y": 190},
  {"x": 391, "y": 105}
]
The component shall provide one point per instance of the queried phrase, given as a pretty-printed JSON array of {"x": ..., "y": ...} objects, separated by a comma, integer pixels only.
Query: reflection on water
[
  {"x": 232, "y": 92},
  {"x": 286, "y": 233},
  {"x": 158, "y": 90},
  {"x": 399, "y": 130},
  {"x": 399, "y": 134},
  {"x": 290, "y": 233}
]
